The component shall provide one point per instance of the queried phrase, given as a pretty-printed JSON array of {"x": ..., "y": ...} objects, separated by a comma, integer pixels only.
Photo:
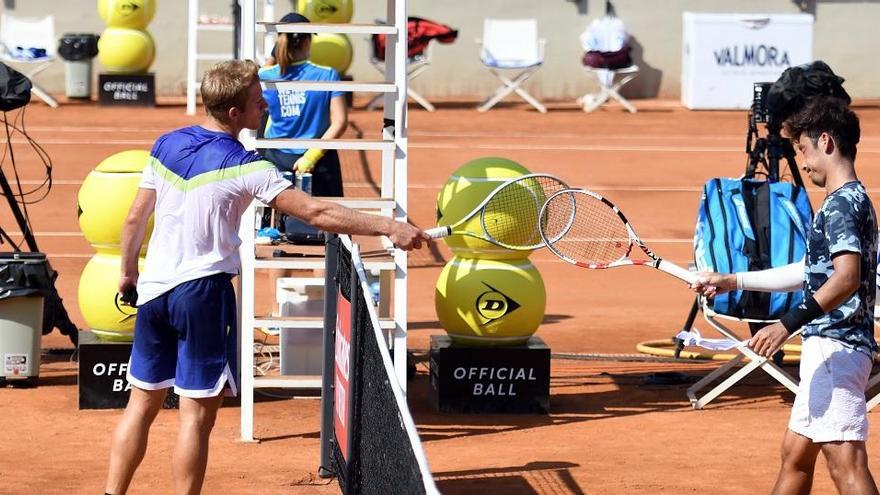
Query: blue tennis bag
[{"x": 747, "y": 225}]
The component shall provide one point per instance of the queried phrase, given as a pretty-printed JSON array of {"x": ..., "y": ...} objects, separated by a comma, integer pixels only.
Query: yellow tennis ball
[
  {"x": 126, "y": 51},
  {"x": 331, "y": 50},
  {"x": 486, "y": 302},
  {"x": 105, "y": 197},
  {"x": 97, "y": 291},
  {"x": 466, "y": 188},
  {"x": 133, "y": 14},
  {"x": 330, "y": 11}
]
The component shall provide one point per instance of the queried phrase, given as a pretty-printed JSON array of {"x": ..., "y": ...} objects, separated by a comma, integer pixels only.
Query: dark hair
[
  {"x": 225, "y": 86},
  {"x": 826, "y": 114}
]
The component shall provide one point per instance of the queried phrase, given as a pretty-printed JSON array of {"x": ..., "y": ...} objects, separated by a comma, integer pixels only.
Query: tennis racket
[
  {"x": 587, "y": 230},
  {"x": 509, "y": 214}
]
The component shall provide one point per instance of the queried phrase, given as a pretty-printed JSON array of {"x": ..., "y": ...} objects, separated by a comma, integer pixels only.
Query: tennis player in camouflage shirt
[{"x": 838, "y": 279}]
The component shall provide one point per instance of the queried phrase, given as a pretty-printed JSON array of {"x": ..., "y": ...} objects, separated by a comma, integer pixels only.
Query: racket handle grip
[
  {"x": 678, "y": 272},
  {"x": 438, "y": 232}
]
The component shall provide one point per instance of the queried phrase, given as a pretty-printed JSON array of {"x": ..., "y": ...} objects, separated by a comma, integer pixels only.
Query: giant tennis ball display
[
  {"x": 329, "y": 11},
  {"x": 132, "y": 14},
  {"x": 466, "y": 188},
  {"x": 331, "y": 50},
  {"x": 97, "y": 299},
  {"x": 125, "y": 51},
  {"x": 105, "y": 197},
  {"x": 490, "y": 302}
]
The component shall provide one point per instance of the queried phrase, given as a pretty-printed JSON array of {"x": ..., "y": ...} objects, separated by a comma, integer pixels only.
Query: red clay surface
[{"x": 608, "y": 432}]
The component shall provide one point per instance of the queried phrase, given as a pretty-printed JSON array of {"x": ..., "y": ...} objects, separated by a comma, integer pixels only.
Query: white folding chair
[
  {"x": 608, "y": 88},
  {"x": 511, "y": 44},
  {"x": 755, "y": 361},
  {"x": 415, "y": 66},
  {"x": 29, "y": 41}
]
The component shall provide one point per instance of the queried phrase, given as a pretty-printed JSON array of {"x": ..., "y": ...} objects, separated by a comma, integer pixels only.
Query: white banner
[{"x": 723, "y": 55}]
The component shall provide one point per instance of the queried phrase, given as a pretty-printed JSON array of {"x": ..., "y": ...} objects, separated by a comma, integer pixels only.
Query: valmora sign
[{"x": 723, "y": 55}]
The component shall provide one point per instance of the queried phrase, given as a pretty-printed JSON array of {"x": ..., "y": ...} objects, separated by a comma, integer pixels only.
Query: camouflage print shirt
[{"x": 846, "y": 222}]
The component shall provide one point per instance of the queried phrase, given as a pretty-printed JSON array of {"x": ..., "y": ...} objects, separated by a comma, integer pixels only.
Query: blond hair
[{"x": 225, "y": 86}]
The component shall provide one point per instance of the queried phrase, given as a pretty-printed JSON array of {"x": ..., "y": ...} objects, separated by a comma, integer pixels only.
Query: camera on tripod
[
  {"x": 760, "y": 112},
  {"x": 774, "y": 102}
]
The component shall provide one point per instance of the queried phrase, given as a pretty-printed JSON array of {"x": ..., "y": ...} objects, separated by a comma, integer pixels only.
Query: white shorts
[{"x": 830, "y": 403}]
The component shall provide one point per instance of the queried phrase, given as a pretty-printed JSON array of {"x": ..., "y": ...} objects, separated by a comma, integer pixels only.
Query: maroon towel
[{"x": 608, "y": 60}]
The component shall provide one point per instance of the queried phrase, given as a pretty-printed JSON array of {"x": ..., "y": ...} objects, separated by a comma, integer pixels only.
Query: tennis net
[{"x": 371, "y": 444}]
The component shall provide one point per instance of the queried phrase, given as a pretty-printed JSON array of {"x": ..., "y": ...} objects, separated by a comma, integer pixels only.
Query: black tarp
[{"x": 15, "y": 89}]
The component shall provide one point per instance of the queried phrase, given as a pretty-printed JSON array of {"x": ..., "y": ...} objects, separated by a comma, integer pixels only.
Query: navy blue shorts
[{"x": 186, "y": 338}]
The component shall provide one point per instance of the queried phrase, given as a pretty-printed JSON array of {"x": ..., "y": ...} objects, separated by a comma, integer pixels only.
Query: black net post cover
[{"x": 382, "y": 458}]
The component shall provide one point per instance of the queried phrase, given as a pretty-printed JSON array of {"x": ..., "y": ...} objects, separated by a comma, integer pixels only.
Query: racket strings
[
  {"x": 510, "y": 217},
  {"x": 583, "y": 228}
]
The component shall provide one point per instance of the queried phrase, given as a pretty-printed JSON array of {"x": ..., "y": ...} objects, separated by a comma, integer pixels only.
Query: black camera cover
[
  {"x": 799, "y": 84},
  {"x": 15, "y": 88}
]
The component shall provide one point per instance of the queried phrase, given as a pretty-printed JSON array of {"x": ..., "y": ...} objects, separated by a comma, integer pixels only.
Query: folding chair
[
  {"x": 511, "y": 44},
  {"x": 415, "y": 66},
  {"x": 29, "y": 41},
  {"x": 755, "y": 362},
  {"x": 607, "y": 87}
]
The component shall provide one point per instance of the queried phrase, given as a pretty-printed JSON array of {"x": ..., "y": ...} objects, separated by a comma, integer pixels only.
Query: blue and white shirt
[
  {"x": 204, "y": 181},
  {"x": 295, "y": 113},
  {"x": 846, "y": 222}
]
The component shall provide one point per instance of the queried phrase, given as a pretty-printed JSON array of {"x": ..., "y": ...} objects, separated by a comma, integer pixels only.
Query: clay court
[{"x": 612, "y": 428}]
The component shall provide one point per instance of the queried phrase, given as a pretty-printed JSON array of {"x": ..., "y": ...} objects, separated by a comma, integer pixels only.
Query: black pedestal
[
  {"x": 127, "y": 89},
  {"x": 102, "y": 369},
  {"x": 490, "y": 379}
]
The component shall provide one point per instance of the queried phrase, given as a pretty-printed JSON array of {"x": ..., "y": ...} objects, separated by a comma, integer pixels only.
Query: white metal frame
[
  {"x": 393, "y": 189},
  {"x": 755, "y": 362},
  {"x": 592, "y": 101},
  {"x": 193, "y": 56},
  {"x": 41, "y": 30},
  {"x": 415, "y": 66}
]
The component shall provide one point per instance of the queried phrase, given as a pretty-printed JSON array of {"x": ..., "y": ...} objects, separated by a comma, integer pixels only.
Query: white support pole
[
  {"x": 396, "y": 108},
  {"x": 192, "y": 42},
  {"x": 246, "y": 323},
  {"x": 246, "y": 254},
  {"x": 248, "y": 46},
  {"x": 268, "y": 39}
]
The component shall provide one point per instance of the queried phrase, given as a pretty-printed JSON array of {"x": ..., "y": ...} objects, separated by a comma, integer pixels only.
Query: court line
[
  {"x": 439, "y": 134},
  {"x": 71, "y": 233},
  {"x": 447, "y": 146},
  {"x": 739, "y": 137},
  {"x": 669, "y": 189},
  {"x": 439, "y": 146},
  {"x": 76, "y": 233},
  {"x": 538, "y": 260}
]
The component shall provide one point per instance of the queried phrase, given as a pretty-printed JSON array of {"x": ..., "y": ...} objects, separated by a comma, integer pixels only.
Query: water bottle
[
  {"x": 304, "y": 183},
  {"x": 375, "y": 291}
]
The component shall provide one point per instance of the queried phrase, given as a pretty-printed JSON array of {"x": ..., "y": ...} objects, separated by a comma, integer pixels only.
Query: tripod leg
[{"x": 688, "y": 324}]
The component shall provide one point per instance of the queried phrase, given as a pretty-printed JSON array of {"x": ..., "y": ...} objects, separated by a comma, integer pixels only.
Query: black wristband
[{"x": 805, "y": 312}]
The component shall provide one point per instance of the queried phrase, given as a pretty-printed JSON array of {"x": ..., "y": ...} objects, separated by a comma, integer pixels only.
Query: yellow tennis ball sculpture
[
  {"x": 482, "y": 302},
  {"x": 326, "y": 11},
  {"x": 97, "y": 299},
  {"x": 132, "y": 14},
  {"x": 126, "y": 51},
  {"x": 517, "y": 227},
  {"x": 466, "y": 188},
  {"x": 331, "y": 50},
  {"x": 105, "y": 197}
]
